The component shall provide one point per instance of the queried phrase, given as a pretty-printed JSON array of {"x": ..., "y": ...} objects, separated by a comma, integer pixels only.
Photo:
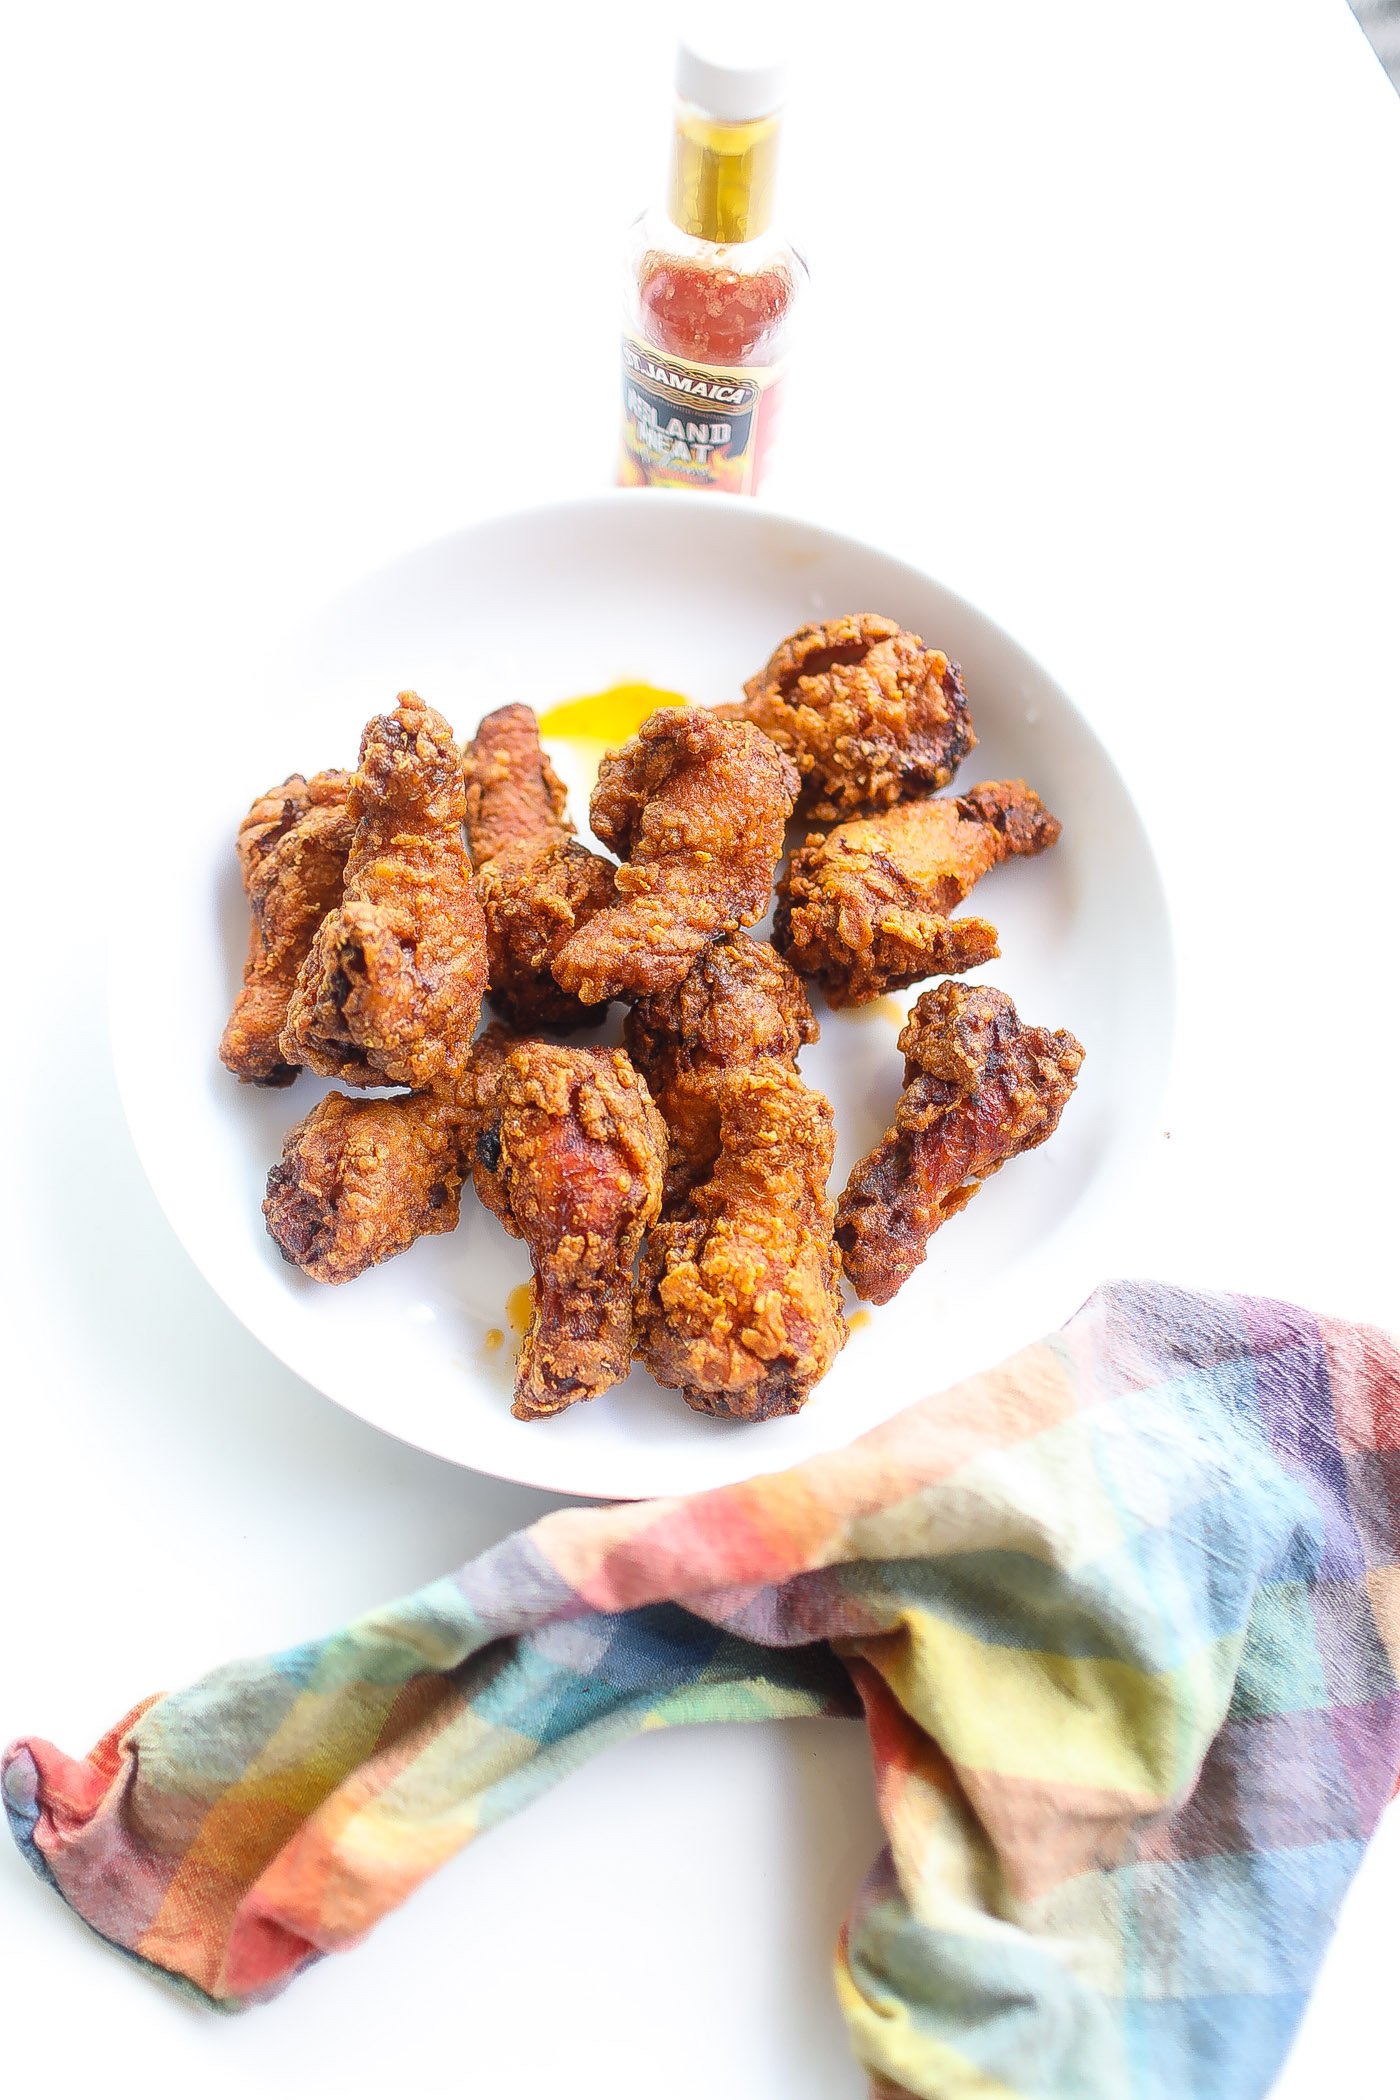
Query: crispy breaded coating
[
  {"x": 534, "y": 900},
  {"x": 864, "y": 910},
  {"x": 570, "y": 1155},
  {"x": 867, "y": 713},
  {"x": 696, "y": 808},
  {"x": 738, "y": 1302},
  {"x": 478, "y": 1097},
  {"x": 514, "y": 796},
  {"x": 537, "y": 883},
  {"x": 979, "y": 1088},
  {"x": 359, "y": 1181},
  {"x": 392, "y": 988},
  {"x": 738, "y": 1002},
  {"x": 292, "y": 848}
]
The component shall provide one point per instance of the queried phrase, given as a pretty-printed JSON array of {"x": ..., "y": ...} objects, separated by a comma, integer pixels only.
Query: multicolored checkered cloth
[{"x": 1123, "y": 1618}]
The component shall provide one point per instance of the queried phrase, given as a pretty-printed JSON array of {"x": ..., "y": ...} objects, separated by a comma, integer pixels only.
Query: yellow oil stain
[
  {"x": 609, "y": 717},
  {"x": 857, "y": 1320},
  {"x": 492, "y": 1339},
  {"x": 886, "y": 1009},
  {"x": 520, "y": 1307}
]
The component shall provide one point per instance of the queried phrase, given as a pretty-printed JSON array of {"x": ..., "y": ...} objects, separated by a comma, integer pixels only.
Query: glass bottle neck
[{"x": 722, "y": 176}]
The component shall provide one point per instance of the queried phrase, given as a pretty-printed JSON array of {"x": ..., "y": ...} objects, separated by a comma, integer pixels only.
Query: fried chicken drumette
[
  {"x": 292, "y": 848},
  {"x": 867, "y": 713},
  {"x": 570, "y": 1154},
  {"x": 514, "y": 796},
  {"x": 392, "y": 987},
  {"x": 979, "y": 1088},
  {"x": 739, "y": 1303},
  {"x": 537, "y": 883},
  {"x": 864, "y": 910},
  {"x": 696, "y": 808},
  {"x": 359, "y": 1181},
  {"x": 737, "y": 1003}
]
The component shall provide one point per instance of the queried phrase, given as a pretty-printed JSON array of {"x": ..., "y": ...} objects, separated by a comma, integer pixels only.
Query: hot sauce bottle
[{"x": 710, "y": 290}]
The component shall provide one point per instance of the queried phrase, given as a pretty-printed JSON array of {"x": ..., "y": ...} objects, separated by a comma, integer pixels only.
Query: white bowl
[{"x": 689, "y": 593}]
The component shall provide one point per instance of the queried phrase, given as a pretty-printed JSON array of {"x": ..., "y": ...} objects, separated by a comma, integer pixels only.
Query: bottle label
[{"x": 692, "y": 426}]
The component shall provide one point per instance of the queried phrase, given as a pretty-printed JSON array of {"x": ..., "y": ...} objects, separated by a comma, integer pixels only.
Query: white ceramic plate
[{"x": 687, "y": 593}]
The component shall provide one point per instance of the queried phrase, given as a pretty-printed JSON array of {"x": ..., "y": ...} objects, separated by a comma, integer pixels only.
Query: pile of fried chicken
[{"x": 672, "y": 1194}]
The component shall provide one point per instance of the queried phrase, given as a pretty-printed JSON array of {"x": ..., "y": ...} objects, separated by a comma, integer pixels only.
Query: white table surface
[{"x": 1104, "y": 331}]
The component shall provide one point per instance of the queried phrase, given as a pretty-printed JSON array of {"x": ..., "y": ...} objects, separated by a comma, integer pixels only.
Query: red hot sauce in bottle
[{"x": 710, "y": 291}]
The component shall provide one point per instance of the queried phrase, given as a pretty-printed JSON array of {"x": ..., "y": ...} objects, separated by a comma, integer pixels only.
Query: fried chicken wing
[
  {"x": 865, "y": 710},
  {"x": 292, "y": 848},
  {"x": 865, "y": 909},
  {"x": 537, "y": 883},
  {"x": 738, "y": 1002},
  {"x": 534, "y": 902},
  {"x": 359, "y": 1181},
  {"x": 738, "y": 1302},
  {"x": 392, "y": 987},
  {"x": 696, "y": 808},
  {"x": 570, "y": 1154},
  {"x": 979, "y": 1088},
  {"x": 514, "y": 796}
]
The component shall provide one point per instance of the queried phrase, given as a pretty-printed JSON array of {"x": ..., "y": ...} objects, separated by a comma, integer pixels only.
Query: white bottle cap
[{"x": 731, "y": 71}]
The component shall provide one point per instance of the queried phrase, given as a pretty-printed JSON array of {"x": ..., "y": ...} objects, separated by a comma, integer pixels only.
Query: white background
[{"x": 1103, "y": 332}]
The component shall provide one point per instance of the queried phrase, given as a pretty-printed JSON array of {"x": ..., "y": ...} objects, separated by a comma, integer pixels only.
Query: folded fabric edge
[{"x": 19, "y": 1782}]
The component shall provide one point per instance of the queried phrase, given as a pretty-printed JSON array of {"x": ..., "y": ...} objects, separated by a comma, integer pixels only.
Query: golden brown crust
[
  {"x": 738, "y": 1302},
  {"x": 534, "y": 899},
  {"x": 514, "y": 797},
  {"x": 738, "y": 1002},
  {"x": 867, "y": 713},
  {"x": 697, "y": 808},
  {"x": 979, "y": 1088},
  {"x": 570, "y": 1154},
  {"x": 864, "y": 909},
  {"x": 537, "y": 883},
  {"x": 392, "y": 987},
  {"x": 359, "y": 1181},
  {"x": 744, "y": 1315},
  {"x": 477, "y": 1097},
  {"x": 292, "y": 848}
]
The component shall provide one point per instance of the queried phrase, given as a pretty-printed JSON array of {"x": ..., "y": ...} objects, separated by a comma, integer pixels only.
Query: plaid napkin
[{"x": 1122, "y": 1617}]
